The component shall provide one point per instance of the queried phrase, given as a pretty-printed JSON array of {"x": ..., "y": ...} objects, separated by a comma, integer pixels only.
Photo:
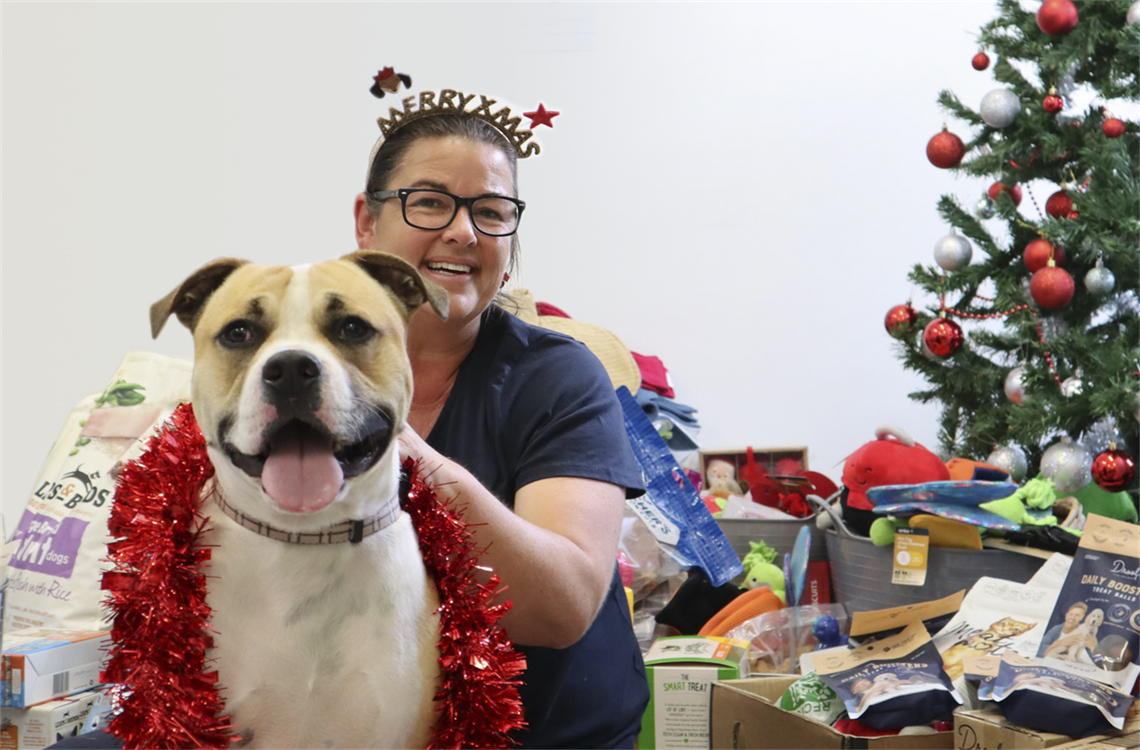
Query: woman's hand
[{"x": 555, "y": 552}]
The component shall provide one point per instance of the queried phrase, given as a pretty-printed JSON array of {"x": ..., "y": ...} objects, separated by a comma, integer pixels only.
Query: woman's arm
[{"x": 555, "y": 552}]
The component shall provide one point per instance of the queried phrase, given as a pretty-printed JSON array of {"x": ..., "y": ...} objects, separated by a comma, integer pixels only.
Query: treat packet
[
  {"x": 995, "y": 615},
  {"x": 1052, "y": 700},
  {"x": 1094, "y": 629},
  {"x": 894, "y": 682},
  {"x": 813, "y": 698}
]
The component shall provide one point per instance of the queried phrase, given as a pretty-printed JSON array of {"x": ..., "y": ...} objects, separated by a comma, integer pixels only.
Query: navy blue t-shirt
[{"x": 527, "y": 404}]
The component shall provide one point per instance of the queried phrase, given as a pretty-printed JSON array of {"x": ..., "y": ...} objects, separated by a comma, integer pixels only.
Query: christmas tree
[{"x": 1031, "y": 344}]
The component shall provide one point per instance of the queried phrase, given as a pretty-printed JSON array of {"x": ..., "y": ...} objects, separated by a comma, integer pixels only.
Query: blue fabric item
[
  {"x": 528, "y": 404},
  {"x": 681, "y": 418}
]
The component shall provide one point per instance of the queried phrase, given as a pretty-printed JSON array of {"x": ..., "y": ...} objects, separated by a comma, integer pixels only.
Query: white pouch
[{"x": 59, "y": 547}]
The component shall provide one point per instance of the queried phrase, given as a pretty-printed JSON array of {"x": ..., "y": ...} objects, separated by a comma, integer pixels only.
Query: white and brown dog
[{"x": 326, "y": 632}]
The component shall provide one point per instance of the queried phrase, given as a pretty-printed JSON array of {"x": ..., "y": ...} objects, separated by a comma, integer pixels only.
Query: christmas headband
[{"x": 450, "y": 101}]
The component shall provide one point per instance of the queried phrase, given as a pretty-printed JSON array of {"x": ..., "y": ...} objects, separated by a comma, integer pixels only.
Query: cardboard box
[
  {"x": 681, "y": 671},
  {"x": 46, "y": 723},
  {"x": 41, "y": 664},
  {"x": 989, "y": 730},
  {"x": 745, "y": 716}
]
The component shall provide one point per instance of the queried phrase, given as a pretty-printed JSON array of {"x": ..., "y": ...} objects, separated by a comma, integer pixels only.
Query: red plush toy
[{"x": 891, "y": 458}]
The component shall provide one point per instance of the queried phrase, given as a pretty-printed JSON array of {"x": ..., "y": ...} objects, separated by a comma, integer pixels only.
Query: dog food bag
[
  {"x": 894, "y": 682},
  {"x": 995, "y": 615},
  {"x": 60, "y": 543},
  {"x": 1094, "y": 630},
  {"x": 1051, "y": 700}
]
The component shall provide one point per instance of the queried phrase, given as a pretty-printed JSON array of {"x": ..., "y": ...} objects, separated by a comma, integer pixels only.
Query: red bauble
[
  {"x": 900, "y": 320},
  {"x": 945, "y": 150},
  {"x": 1057, "y": 17},
  {"x": 1052, "y": 287},
  {"x": 981, "y": 61},
  {"x": 942, "y": 336},
  {"x": 1013, "y": 191},
  {"x": 1053, "y": 103},
  {"x": 1113, "y": 470},
  {"x": 1059, "y": 205},
  {"x": 1113, "y": 127},
  {"x": 1038, "y": 252}
]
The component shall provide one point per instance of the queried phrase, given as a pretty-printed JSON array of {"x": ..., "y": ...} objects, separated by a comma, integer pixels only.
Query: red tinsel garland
[{"x": 160, "y": 632}]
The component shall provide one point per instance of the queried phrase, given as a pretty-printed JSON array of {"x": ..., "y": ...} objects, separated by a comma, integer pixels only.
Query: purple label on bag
[{"x": 47, "y": 545}]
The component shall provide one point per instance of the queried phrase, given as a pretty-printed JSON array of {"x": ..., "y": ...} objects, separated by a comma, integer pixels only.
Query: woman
[{"x": 517, "y": 423}]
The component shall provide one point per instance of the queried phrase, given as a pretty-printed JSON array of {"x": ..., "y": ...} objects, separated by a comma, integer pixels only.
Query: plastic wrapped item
[
  {"x": 671, "y": 507},
  {"x": 779, "y": 638},
  {"x": 642, "y": 561}
]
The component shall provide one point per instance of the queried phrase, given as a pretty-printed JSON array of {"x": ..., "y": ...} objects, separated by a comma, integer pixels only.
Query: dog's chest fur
[{"x": 331, "y": 645}]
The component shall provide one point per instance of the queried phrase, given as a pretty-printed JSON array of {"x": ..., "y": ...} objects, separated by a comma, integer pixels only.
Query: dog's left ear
[
  {"x": 403, "y": 279},
  {"x": 188, "y": 297}
]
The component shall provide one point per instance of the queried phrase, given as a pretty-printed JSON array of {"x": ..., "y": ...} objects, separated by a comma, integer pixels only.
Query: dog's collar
[{"x": 346, "y": 531}]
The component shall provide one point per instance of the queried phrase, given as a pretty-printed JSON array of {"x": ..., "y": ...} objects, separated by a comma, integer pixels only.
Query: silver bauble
[
  {"x": 1072, "y": 387},
  {"x": 1015, "y": 385},
  {"x": 1101, "y": 436},
  {"x": 1133, "y": 13},
  {"x": 953, "y": 252},
  {"x": 999, "y": 108},
  {"x": 1068, "y": 465},
  {"x": 1099, "y": 280},
  {"x": 1010, "y": 458},
  {"x": 985, "y": 209}
]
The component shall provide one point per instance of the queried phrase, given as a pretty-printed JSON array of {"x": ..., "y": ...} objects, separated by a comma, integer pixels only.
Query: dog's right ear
[{"x": 188, "y": 297}]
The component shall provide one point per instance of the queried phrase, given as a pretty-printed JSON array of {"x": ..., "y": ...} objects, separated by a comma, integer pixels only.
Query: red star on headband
[
  {"x": 541, "y": 117},
  {"x": 385, "y": 73}
]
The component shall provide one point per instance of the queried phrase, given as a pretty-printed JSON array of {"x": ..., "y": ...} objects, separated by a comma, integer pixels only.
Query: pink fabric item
[{"x": 654, "y": 376}]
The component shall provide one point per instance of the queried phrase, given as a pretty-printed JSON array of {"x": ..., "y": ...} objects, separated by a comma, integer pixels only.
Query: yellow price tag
[{"x": 912, "y": 550}]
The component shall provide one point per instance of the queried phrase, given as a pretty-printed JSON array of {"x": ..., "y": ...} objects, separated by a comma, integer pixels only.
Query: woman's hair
[{"x": 447, "y": 125}]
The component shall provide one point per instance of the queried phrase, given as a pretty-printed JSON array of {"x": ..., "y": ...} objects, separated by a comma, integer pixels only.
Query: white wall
[{"x": 739, "y": 189}]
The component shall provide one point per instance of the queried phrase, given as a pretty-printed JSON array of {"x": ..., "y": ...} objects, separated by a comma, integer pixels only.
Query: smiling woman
[{"x": 517, "y": 423}]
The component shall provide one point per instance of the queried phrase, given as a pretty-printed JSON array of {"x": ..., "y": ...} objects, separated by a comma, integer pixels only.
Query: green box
[{"x": 681, "y": 671}]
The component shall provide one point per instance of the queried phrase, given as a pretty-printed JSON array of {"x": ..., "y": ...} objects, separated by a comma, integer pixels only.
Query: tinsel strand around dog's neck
[{"x": 160, "y": 632}]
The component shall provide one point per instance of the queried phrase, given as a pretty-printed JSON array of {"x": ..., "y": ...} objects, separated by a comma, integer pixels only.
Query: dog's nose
[{"x": 292, "y": 373}]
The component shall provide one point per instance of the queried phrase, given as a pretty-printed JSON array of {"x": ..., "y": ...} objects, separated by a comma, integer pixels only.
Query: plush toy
[
  {"x": 1039, "y": 493},
  {"x": 891, "y": 458},
  {"x": 1118, "y": 505},
  {"x": 964, "y": 469},
  {"x": 760, "y": 571}
]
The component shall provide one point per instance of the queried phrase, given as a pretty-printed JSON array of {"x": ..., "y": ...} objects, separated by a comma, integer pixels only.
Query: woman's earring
[{"x": 506, "y": 278}]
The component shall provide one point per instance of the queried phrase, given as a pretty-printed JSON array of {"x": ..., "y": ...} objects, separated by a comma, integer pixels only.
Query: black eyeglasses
[{"x": 493, "y": 215}]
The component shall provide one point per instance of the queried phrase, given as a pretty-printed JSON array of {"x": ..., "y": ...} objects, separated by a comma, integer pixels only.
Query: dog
[{"x": 326, "y": 631}]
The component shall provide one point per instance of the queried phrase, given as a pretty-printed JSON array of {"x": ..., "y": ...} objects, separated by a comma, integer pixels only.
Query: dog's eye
[
  {"x": 237, "y": 334},
  {"x": 354, "y": 330}
]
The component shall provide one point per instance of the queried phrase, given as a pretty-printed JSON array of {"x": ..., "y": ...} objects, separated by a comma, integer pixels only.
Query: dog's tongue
[{"x": 301, "y": 473}]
